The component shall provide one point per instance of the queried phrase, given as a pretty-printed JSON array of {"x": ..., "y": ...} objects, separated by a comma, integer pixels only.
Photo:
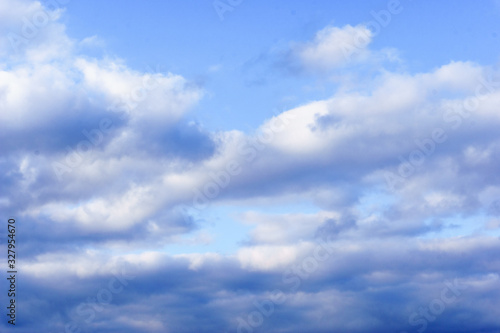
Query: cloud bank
[{"x": 102, "y": 168}]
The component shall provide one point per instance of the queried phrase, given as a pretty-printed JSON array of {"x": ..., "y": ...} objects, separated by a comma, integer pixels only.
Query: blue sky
[
  {"x": 252, "y": 166},
  {"x": 184, "y": 37}
]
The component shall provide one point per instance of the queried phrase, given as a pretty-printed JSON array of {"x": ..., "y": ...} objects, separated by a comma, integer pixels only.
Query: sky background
[{"x": 252, "y": 166}]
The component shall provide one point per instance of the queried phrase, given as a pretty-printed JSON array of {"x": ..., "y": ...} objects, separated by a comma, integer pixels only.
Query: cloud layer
[{"x": 103, "y": 169}]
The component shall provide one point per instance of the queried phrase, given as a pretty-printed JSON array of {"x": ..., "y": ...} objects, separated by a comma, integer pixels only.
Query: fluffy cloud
[
  {"x": 400, "y": 174},
  {"x": 333, "y": 47}
]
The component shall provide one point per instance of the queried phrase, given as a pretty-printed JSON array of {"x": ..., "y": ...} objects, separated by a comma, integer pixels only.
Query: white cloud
[
  {"x": 154, "y": 98},
  {"x": 271, "y": 257},
  {"x": 30, "y": 31},
  {"x": 334, "y": 47},
  {"x": 117, "y": 207},
  {"x": 285, "y": 228}
]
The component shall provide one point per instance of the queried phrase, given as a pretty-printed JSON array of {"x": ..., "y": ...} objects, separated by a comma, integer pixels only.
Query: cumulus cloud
[
  {"x": 334, "y": 47},
  {"x": 399, "y": 172}
]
